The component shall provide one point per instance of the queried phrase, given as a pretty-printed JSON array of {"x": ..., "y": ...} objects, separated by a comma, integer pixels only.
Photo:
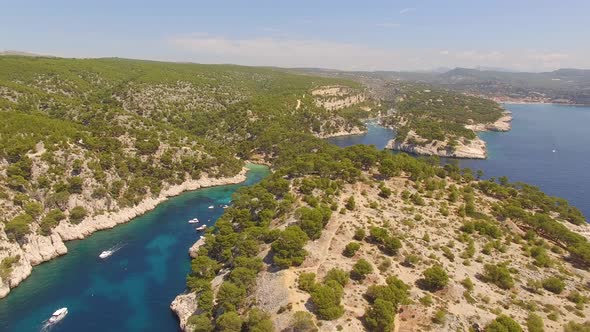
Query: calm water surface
[
  {"x": 526, "y": 152},
  {"x": 131, "y": 290}
]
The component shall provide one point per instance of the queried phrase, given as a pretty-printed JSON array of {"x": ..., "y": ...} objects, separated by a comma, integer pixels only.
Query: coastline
[
  {"x": 353, "y": 132},
  {"x": 40, "y": 249},
  {"x": 474, "y": 149}
]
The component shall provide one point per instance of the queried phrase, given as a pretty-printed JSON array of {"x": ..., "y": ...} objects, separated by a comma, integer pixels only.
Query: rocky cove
[
  {"x": 81, "y": 281},
  {"x": 39, "y": 249}
]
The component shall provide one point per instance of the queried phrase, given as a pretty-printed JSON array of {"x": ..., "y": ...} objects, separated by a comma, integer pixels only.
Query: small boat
[
  {"x": 193, "y": 221},
  {"x": 211, "y": 206},
  {"x": 105, "y": 254},
  {"x": 58, "y": 315},
  {"x": 225, "y": 206},
  {"x": 201, "y": 228},
  {"x": 554, "y": 151}
]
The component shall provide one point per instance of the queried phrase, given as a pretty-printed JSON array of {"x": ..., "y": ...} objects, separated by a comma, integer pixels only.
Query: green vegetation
[
  {"x": 6, "y": 267},
  {"x": 535, "y": 323},
  {"x": 553, "y": 284},
  {"x": 351, "y": 249},
  {"x": 498, "y": 275},
  {"x": 326, "y": 299},
  {"x": 439, "y": 114},
  {"x": 503, "y": 323},
  {"x": 288, "y": 248},
  {"x": 361, "y": 269},
  {"x": 123, "y": 129},
  {"x": 435, "y": 278}
]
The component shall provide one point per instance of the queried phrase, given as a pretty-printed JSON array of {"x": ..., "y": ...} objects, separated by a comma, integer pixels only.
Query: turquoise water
[
  {"x": 526, "y": 152},
  {"x": 132, "y": 289}
]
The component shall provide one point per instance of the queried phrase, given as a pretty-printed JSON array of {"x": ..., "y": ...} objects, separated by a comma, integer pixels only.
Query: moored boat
[{"x": 201, "y": 228}]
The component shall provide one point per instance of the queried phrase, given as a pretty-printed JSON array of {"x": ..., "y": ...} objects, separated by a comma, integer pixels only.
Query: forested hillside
[
  {"x": 357, "y": 239},
  {"x": 83, "y": 137}
]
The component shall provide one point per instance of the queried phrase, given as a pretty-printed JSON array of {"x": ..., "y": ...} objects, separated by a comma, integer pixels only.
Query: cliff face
[
  {"x": 502, "y": 124},
  {"x": 38, "y": 249},
  {"x": 337, "y": 97},
  {"x": 184, "y": 306},
  {"x": 474, "y": 149}
]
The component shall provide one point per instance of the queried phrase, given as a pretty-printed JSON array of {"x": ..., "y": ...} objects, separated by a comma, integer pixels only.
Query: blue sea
[
  {"x": 131, "y": 290},
  {"x": 548, "y": 146}
]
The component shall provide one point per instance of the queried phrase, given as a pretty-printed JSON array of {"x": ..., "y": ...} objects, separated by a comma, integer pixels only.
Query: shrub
[
  {"x": 575, "y": 327},
  {"x": 200, "y": 323},
  {"x": 553, "y": 284},
  {"x": 229, "y": 321},
  {"x": 302, "y": 321},
  {"x": 359, "y": 234},
  {"x": 338, "y": 275},
  {"x": 467, "y": 283},
  {"x": 326, "y": 299},
  {"x": 77, "y": 214},
  {"x": 350, "y": 203},
  {"x": 306, "y": 281},
  {"x": 499, "y": 275},
  {"x": 503, "y": 323},
  {"x": 435, "y": 278},
  {"x": 258, "y": 321},
  {"x": 391, "y": 245},
  {"x": 380, "y": 316},
  {"x": 439, "y": 317},
  {"x": 230, "y": 296},
  {"x": 360, "y": 269},
  {"x": 396, "y": 292},
  {"x": 351, "y": 249},
  {"x": 17, "y": 228},
  {"x": 534, "y": 323}
]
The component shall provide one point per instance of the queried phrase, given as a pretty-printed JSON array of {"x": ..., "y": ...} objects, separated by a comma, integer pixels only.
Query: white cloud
[
  {"x": 406, "y": 10},
  {"x": 292, "y": 52}
]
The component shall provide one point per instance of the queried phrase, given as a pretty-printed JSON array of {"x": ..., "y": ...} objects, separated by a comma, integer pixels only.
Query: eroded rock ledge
[{"x": 473, "y": 149}]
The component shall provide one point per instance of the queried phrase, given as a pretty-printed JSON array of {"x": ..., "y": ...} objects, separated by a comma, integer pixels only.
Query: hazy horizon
[{"x": 528, "y": 35}]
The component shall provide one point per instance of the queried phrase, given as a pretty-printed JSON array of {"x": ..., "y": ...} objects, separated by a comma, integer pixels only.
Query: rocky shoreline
[
  {"x": 472, "y": 149},
  {"x": 475, "y": 149},
  {"x": 351, "y": 132},
  {"x": 39, "y": 249}
]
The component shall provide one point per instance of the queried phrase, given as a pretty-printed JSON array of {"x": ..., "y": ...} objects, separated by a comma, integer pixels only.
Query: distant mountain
[{"x": 21, "y": 53}]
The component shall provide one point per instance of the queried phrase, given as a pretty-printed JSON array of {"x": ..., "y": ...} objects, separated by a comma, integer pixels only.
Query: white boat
[
  {"x": 58, "y": 315},
  {"x": 105, "y": 254},
  {"x": 193, "y": 221},
  {"x": 225, "y": 206},
  {"x": 554, "y": 151},
  {"x": 211, "y": 206},
  {"x": 201, "y": 228}
]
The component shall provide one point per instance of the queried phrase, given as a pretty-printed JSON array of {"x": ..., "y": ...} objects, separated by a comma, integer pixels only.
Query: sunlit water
[
  {"x": 526, "y": 152},
  {"x": 130, "y": 290}
]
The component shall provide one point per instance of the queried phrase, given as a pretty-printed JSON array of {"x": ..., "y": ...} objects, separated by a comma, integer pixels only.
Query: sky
[{"x": 523, "y": 35}]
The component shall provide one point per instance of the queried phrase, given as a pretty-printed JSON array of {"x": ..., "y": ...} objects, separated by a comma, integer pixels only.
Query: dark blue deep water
[
  {"x": 526, "y": 152},
  {"x": 131, "y": 290}
]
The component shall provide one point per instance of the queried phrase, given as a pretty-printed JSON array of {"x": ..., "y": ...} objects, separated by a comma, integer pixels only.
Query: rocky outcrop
[
  {"x": 184, "y": 306},
  {"x": 502, "y": 124},
  {"x": 473, "y": 149},
  {"x": 38, "y": 249},
  {"x": 343, "y": 132},
  {"x": 194, "y": 249},
  {"x": 337, "y": 97}
]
